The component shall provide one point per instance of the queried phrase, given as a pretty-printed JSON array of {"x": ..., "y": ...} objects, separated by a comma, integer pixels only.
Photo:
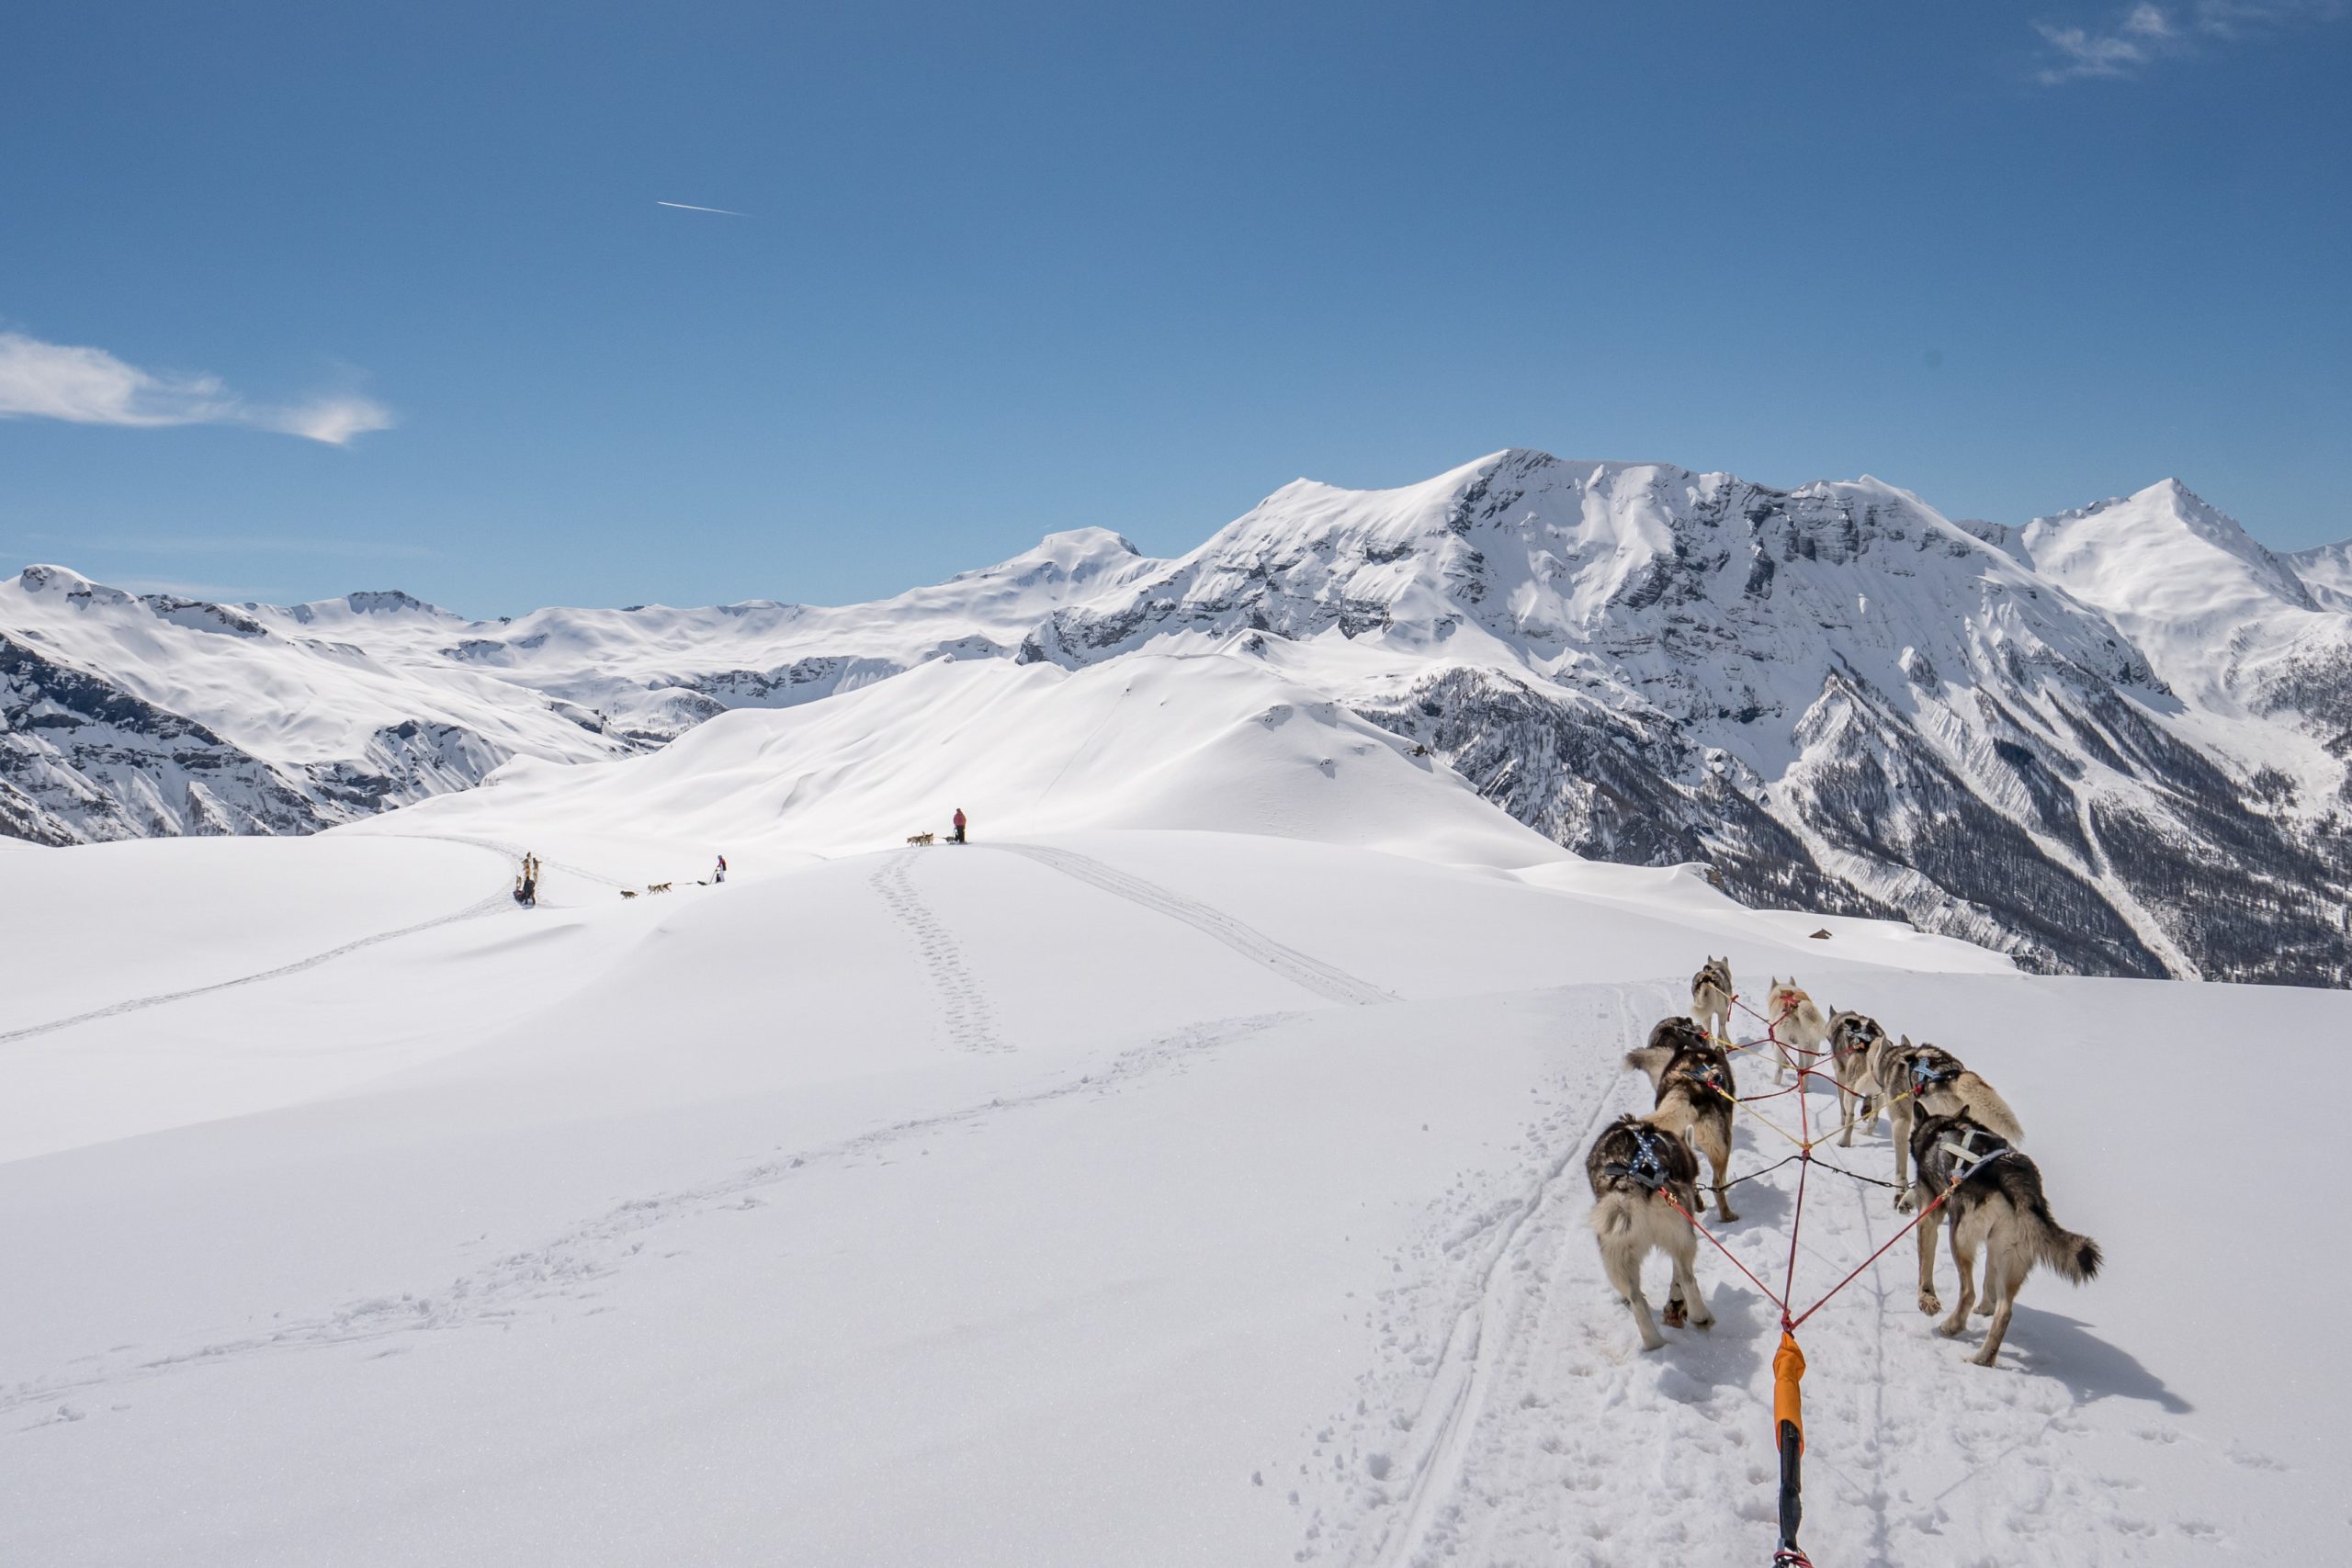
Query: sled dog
[
  {"x": 1633, "y": 1164},
  {"x": 1693, "y": 1082},
  {"x": 921, "y": 838},
  {"x": 1711, "y": 991},
  {"x": 657, "y": 887},
  {"x": 1915, "y": 1081},
  {"x": 1850, "y": 1037},
  {"x": 628, "y": 892},
  {"x": 1799, "y": 1025},
  {"x": 1996, "y": 1204}
]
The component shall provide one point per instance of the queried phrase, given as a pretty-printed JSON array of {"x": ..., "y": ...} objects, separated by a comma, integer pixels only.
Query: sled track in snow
[
  {"x": 568, "y": 1268},
  {"x": 1324, "y": 980},
  {"x": 1483, "y": 1331},
  {"x": 969, "y": 1025},
  {"x": 137, "y": 1004}
]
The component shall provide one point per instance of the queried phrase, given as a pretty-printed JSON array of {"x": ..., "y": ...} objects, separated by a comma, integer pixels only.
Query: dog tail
[
  {"x": 1650, "y": 1060},
  {"x": 2059, "y": 1249},
  {"x": 1989, "y": 1110}
]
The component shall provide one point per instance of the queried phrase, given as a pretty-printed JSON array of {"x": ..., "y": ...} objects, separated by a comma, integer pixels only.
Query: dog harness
[
  {"x": 1645, "y": 1170},
  {"x": 1924, "y": 1077},
  {"x": 1966, "y": 1158},
  {"x": 1844, "y": 1051}
]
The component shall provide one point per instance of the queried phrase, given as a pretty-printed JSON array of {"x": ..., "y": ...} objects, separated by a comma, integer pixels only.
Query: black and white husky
[
  {"x": 1852, "y": 1039},
  {"x": 1694, "y": 1087},
  {"x": 1995, "y": 1205},
  {"x": 1911, "y": 1081},
  {"x": 1710, "y": 993},
  {"x": 1634, "y": 1166}
]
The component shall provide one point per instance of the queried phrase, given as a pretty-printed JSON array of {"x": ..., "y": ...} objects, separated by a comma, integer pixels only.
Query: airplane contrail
[{"x": 690, "y": 207}]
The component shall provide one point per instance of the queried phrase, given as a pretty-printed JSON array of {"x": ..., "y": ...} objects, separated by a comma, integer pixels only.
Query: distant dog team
[{"x": 1957, "y": 1154}]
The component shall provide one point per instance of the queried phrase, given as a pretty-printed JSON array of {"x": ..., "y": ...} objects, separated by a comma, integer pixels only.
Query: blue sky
[{"x": 300, "y": 299}]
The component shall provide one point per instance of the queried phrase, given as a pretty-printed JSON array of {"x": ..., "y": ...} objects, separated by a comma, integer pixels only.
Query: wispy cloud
[
  {"x": 2130, "y": 42},
  {"x": 89, "y": 386}
]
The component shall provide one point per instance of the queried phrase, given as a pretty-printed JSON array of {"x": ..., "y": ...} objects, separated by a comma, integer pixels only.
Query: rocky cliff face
[
  {"x": 2112, "y": 742},
  {"x": 1834, "y": 696}
]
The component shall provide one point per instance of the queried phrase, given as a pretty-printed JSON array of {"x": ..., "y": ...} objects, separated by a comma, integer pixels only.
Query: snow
[
  {"x": 2190, "y": 587},
  {"x": 291, "y": 700},
  {"x": 1164, "y": 740},
  {"x": 1188, "y": 1171}
]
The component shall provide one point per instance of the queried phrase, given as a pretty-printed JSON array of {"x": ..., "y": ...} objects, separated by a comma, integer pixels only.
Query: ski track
[
  {"x": 1481, "y": 1313},
  {"x": 1514, "y": 1415},
  {"x": 970, "y": 1027},
  {"x": 1324, "y": 980},
  {"x": 570, "y": 1267},
  {"x": 488, "y": 905}
]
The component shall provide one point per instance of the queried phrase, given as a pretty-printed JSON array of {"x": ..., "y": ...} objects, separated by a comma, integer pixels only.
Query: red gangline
[
  {"x": 1796, "y": 1223},
  {"x": 1726, "y": 1251},
  {"x": 1875, "y": 1257},
  {"x": 1806, "y": 1070}
]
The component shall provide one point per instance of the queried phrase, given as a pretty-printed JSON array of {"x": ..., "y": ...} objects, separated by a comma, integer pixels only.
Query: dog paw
[
  {"x": 1902, "y": 1204},
  {"x": 1980, "y": 1358},
  {"x": 1928, "y": 1304},
  {"x": 1949, "y": 1328},
  {"x": 1673, "y": 1316},
  {"x": 1725, "y": 1215}
]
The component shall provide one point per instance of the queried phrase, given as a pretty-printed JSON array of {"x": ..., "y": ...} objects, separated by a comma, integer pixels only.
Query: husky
[
  {"x": 1995, "y": 1203},
  {"x": 628, "y": 892},
  {"x": 921, "y": 838},
  {"x": 1799, "y": 1025},
  {"x": 1850, "y": 1037},
  {"x": 657, "y": 887},
  {"x": 1911, "y": 1080},
  {"x": 1635, "y": 1165},
  {"x": 1710, "y": 993},
  {"x": 1694, "y": 1087}
]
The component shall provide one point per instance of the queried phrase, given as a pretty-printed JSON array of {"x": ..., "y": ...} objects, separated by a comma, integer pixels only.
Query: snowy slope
[
  {"x": 1207, "y": 741},
  {"x": 2222, "y": 620},
  {"x": 2325, "y": 573},
  {"x": 1100, "y": 1195}
]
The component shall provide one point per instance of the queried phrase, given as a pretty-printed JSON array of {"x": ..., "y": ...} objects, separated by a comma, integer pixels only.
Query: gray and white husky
[
  {"x": 1852, "y": 1038},
  {"x": 1633, "y": 1165},
  {"x": 1995, "y": 1205},
  {"x": 1710, "y": 993},
  {"x": 1912, "y": 1081},
  {"x": 1695, "y": 1089}
]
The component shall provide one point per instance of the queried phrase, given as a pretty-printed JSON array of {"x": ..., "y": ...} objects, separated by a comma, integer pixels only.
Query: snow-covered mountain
[
  {"x": 124, "y": 715},
  {"x": 2110, "y": 742}
]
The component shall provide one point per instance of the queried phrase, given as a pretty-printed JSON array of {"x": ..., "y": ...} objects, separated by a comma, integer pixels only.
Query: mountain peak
[
  {"x": 64, "y": 580},
  {"x": 392, "y": 602}
]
